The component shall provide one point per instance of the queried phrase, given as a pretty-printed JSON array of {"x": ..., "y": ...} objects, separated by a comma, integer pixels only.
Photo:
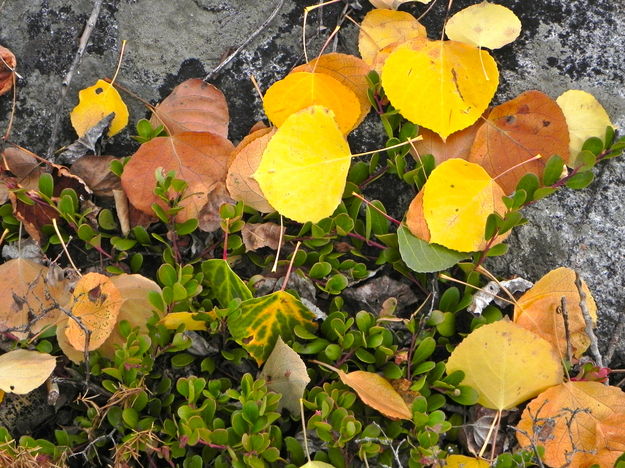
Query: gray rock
[{"x": 565, "y": 44}]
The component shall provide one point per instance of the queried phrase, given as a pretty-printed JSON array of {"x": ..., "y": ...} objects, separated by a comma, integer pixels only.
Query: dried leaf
[
  {"x": 94, "y": 104},
  {"x": 457, "y": 145},
  {"x": 257, "y": 236},
  {"x": 87, "y": 142},
  {"x": 23, "y": 165},
  {"x": 96, "y": 173},
  {"x": 285, "y": 373},
  {"x": 193, "y": 106},
  {"x": 22, "y": 371},
  {"x": 200, "y": 159},
  {"x": 7, "y": 65},
  {"x": 209, "y": 218},
  {"x": 506, "y": 364}
]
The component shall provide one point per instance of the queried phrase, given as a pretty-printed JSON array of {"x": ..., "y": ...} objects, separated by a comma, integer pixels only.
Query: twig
[
  {"x": 245, "y": 43},
  {"x": 567, "y": 333},
  {"x": 84, "y": 451},
  {"x": 288, "y": 271},
  {"x": 594, "y": 346},
  {"x": 84, "y": 40},
  {"x": 614, "y": 342}
]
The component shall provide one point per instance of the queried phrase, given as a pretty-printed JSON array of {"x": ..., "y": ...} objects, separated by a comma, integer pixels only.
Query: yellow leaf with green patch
[
  {"x": 173, "y": 320},
  {"x": 95, "y": 103},
  {"x": 257, "y": 323},
  {"x": 224, "y": 283}
]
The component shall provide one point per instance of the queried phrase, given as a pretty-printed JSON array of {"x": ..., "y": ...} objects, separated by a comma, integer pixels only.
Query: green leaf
[
  {"x": 46, "y": 184},
  {"x": 257, "y": 323},
  {"x": 594, "y": 145},
  {"x": 553, "y": 170},
  {"x": 190, "y": 225},
  {"x": 585, "y": 161},
  {"x": 224, "y": 283},
  {"x": 423, "y": 257},
  {"x": 580, "y": 181},
  {"x": 529, "y": 183}
]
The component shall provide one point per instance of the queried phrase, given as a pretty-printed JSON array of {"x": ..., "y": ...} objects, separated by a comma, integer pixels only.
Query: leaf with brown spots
[
  {"x": 7, "y": 67},
  {"x": 256, "y": 236}
]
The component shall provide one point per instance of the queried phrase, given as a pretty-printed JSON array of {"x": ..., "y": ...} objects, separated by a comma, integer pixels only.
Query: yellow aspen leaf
[
  {"x": 239, "y": 181},
  {"x": 298, "y": 91},
  {"x": 257, "y": 323},
  {"x": 458, "y": 197},
  {"x": 484, "y": 25},
  {"x": 349, "y": 71},
  {"x": 382, "y": 31},
  {"x": 394, "y": 4},
  {"x": 96, "y": 301},
  {"x": 585, "y": 117},
  {"x": 22, "y": 371},
  {"x": 1, "y": 396},
  {"x": 304, "y": 168},
  {"x": 444, "y": 86},
  {"x": 460, "y": 461},
  {"x": 95, "y": 103},
  {"x": 538, "y": 311},
  {"x": 506, "y": 364},
  {"x": 578, "y": 424},
  {"x": 316, "y": 464},
  {"x": 72, "y": 353},
  {"x": 174, "y": 319}
]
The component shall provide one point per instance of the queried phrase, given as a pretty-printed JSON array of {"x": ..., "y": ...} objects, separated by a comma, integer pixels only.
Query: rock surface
[{"x": 565, "y": 44}]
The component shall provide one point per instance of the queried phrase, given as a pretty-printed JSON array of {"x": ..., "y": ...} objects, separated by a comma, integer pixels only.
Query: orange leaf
[
  {"x": 415, "y": 218},
  {"x": 382, "y": 31},
  {"x": 516, "y": 131},
  {"x": 200, "y": 159},
  {"x": 349, "y": 70},
  {"x": 193, "y": 106},
  {"x": 246, "y": 158},
  {"x": 96, "y": 302},
  {"x": 573, "y": 419},
  {"x": 6, "y": 72},
  {"x": 537, "y": 311}
]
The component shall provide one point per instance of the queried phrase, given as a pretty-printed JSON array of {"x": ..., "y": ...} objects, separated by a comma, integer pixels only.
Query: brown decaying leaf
[
  {"x": 517, "y": 130},
  {"x": 256, "y": 236},
  {"x": 96, "y": 301},
  {"x": 193, "y": 106},
  {"x": 22, "y": 371},
  {"x": 247, "y": 156},
  {"x": 23, "y": 165},
  {"x": 377, "y": 392},
  {"x": 200, "y": 159},
  {"x": 95, "y": 172},
  {"x": 349, "y": 70},
  {"x": 596, "y": 411},
  {"x": 208, "y": 217},
  {"x": 6, "y": 73}
]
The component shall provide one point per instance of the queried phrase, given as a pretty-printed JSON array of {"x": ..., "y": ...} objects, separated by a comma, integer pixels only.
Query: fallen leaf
[
  {"x": 573, "y": 419},
  {"x": 457, "y": 145},
  {"x": 200, "y": 159},
  {"x": 285, "y": 373},
  {"x": 516, "y": 131},
  {"x": 87, "y": 142},
  {"x": 381, "y": 31},
  {"x": 423, "y": 257},
  {"x": 257, "y": 236},
  {"x": 24, "y": 165},
  {"x": 444, "y": 86},
  {"x": 193, "y": 106},
  {"x": 458, "y": 197},
  {"x": 209, "y": 219},
  {"x": 96, "y": 301},
  {"x": 299, "y": 91},
  {"x": 304, "y": 168},
  {"x": 347, "y": 69},
  {"x": 538, "y": 311},
  {"x": 223, "y": 283},
  {"x": 506, "y": 364},
  {"x": 173, "y": 320},
  {"x": 96, "y": 173},
  {"x": 7, "y": 65},
  {"x": 22, "y": 371},
  {"x": 484, "y": 25},
  {"x": 394, "y": 4},
  {"x": 257, "y": 323},
  {"x": 316, "y": 464},
  {"x": 61, "y": 338},
  {"x": 460, "y": 461},
  {"x": 247, "y": 156},
  {"x": 585, "y": 118},
  {"x": 94, "y": 104}
]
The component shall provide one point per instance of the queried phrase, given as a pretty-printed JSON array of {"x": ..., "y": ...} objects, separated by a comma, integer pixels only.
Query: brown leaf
[
  {"x": 415, "y": 218},
  {"x": 7, "y": 65},
  {"x": 256, "y": 236},
  {"x": 200, "y": 159},
  {"x": 23, "y": 165},
  {"x": 95, "y": 172},
  {"x": 193, "y": 106},
  {"x": 247, "y": 156},
  {"x": 208, "y": 217},
  {"x": 516, "y": 131}
]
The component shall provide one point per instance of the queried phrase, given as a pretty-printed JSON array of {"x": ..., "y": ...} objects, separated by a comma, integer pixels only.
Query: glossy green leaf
[{"x": 423, "y": 257}]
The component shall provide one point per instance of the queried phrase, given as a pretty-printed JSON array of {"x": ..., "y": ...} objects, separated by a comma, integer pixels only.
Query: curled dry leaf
[
  {"x": 298, "y": 91},
  {"x": 538, "y": 311},
  {"x": 578, "y": 423},
  {"x": 304, "y": 168},
  {"x": 7, "y": 67},
  {"x": 96, "y": 301},
  {"x": 257, "y": 236},
  {"x": 22, "y": 371},
  {"x": 285, "y": 373},
  {"x": 200, "y": 159},
  {"x": 24, "y": 165},
  {"x": 349, "y": 70},
  {"x": 94, "y": 104},
  {"x": 193, "y": 106},
  {"x": 444, "y": 86},
  {"x": 382, "y": 31},
  {"x": 95, "y": 172},
  {"x": 208, "y": 217},
  {"x": 506, "y": 364},
  {"x": 245, "y": 160},
  {"x": 516, "y": 131}
]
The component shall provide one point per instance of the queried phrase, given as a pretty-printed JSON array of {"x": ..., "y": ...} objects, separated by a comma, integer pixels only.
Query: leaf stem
[{"x": 390, "y": 218}]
